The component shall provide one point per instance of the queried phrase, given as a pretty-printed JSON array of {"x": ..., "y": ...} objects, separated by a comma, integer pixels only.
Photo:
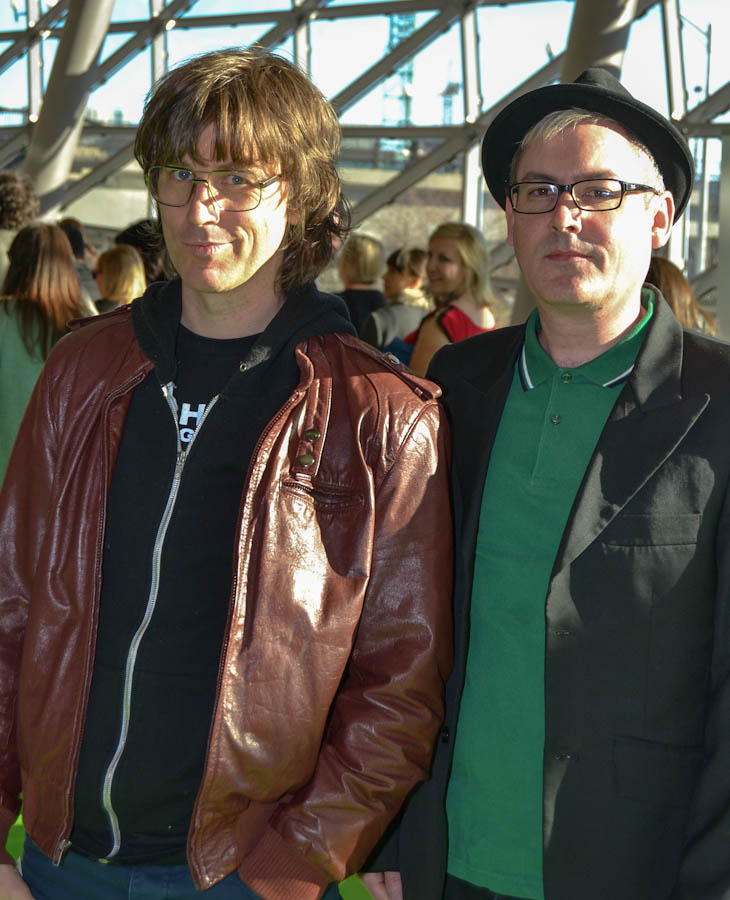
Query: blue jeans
[{"x": 79, "y": 878}]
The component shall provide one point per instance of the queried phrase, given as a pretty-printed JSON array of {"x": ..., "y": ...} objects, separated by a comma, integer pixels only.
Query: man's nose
[
  {"x": 567, "y": 212},
  {"x": 201, "y": 206}
]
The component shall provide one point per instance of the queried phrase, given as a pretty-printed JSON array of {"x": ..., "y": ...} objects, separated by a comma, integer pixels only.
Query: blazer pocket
[
  {"x": 655, "y": 772},
  {"x": 652, "y": 531}
]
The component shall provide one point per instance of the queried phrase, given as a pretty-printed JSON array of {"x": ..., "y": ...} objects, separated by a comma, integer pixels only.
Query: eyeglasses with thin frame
[
  {"x": 229, "y": 189},
  {"x": 590, "y": 194}
]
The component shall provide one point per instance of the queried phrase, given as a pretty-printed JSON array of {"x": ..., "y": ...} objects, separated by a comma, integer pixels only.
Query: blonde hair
[
  {"x": 473, "y": 251},
  {"x": 263, "y": 110},
  {"x": 362, "y": 259},
  {"x": 122, "y": 272},
  {"x": 561, "y": 120}
]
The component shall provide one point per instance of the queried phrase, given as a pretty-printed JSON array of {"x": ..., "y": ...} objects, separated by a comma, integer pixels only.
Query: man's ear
[
  {"x": 510, "y": 214},
  {"x": 663, "y": 219}
]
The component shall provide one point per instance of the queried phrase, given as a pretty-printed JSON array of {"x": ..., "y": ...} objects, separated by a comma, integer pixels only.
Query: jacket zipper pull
[{"x": 61, "y": 852}]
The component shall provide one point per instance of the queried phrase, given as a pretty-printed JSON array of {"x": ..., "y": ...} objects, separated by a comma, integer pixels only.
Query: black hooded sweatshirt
[{"x": 156, "y": 664}]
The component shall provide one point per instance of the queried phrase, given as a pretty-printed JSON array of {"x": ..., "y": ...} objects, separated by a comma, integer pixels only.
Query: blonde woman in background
[
  {"x": 120, "y": 277},
  {"x": 360, "y": 265},
  {"x": 458, "y": 279}
]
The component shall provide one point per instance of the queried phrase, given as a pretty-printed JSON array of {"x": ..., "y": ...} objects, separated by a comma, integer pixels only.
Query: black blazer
[{"x": 636, "y": 798}]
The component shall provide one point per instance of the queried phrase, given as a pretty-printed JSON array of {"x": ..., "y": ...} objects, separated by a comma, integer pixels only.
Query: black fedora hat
[{"x": 596, "y": 90}]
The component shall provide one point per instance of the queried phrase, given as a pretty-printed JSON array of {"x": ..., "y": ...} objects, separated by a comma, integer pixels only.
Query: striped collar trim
[{"x": 528, "y": 385}]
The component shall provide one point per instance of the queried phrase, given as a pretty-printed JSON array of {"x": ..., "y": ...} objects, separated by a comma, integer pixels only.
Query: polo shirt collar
[{"x": 607, "y": 370}]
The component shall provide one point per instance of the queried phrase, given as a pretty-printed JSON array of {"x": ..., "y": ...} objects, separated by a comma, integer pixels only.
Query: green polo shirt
[{"x": 549, "y": 428}]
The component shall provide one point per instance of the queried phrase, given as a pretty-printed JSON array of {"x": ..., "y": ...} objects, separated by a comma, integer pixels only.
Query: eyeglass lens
[
  {"x": 595, "y": 193},
  {"x": 231, "y": 190}
]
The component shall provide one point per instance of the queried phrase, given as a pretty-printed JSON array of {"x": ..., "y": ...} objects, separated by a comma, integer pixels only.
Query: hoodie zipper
[
  {"x": 292, "y": 401},
  {"x": 181, "y": 457}
]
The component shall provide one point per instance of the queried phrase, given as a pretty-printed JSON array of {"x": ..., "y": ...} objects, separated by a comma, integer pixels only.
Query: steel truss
[{"x": 447, "y": 142}]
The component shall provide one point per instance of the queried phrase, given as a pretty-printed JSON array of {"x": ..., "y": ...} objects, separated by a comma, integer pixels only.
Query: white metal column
[
  {"x": 302, "y": 42},
  {"x": 472, "y": 193},
  {"x": 51, "y": 151},
  {"x": 598, "y": 36},
  {"x": 35, "y": 63},
  {"x": 677, "y": 101},
  {"x": 723, "y": 250},
  {"x": 158, "y": 47}
]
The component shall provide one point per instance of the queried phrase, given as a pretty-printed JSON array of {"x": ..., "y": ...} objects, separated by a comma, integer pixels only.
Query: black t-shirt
[
  {"x": 204, "y": 368},
  {"x": 155, "y": 782}
]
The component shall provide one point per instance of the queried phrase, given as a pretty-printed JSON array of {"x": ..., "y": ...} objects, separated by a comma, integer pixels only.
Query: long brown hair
[{"x": 42, "y": 281}]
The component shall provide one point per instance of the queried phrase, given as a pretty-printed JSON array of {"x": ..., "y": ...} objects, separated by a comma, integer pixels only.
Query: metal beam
[
  {"x": 289, "y": 19},
  {"x": 34, "y": 64},
  {"x": 31, "y": 36},
  {"x": 705, "y": 281},
  {"x": 391, "y": 61},
  {"x": 715, "y": 105},
  {"x": 103, "y": 72},
  {"x": 11, "y": 148},
  {"x": 158, "y": 47},
  {"x": 141, "y": 39},
  {"x": 459, "y": 141},
  {"x": 464, "y": 137},
  {"x": 402, "y": 132},
  {"x": 674, "y": 59},
  {"x": 302, "y": 43},
  {"x": 76, "y": 189},
  {"x": 598, "y": 36},
  {"x": 471, "y": 189},
  {"x": 55, "y": 137},
  {"x": 723, "y": 250},
  {"x": 280, "y": 32}
]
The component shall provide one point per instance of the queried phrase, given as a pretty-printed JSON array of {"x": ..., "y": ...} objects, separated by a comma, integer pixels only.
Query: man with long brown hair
[{"x": 224, "y": 598}]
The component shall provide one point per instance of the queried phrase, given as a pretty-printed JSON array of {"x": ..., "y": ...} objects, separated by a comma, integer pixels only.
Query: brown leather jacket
[{"x": 311, "y": 750}]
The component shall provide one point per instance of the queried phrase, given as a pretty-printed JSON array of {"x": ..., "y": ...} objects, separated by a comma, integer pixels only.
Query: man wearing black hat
[{"x": 586, "y": 749}]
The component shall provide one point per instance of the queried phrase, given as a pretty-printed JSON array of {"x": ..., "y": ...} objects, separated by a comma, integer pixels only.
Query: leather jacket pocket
[{"x": 324, "y": 498}]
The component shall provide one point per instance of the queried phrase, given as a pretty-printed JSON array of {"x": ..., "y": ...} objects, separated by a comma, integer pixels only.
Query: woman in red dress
[{"x": 458, "y": 279}]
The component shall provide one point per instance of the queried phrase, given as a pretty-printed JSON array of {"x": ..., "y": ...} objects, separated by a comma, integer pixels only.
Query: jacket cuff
[
  {"x": 276, "y": 871},
  {"x": 7, "y": 820}
]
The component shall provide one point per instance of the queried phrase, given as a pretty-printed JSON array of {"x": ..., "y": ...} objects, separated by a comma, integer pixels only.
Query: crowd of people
[
  {"x": 50, "y": 277},
  {"x": 296, "y": 585},
  {"x": 429, "y": 297}
]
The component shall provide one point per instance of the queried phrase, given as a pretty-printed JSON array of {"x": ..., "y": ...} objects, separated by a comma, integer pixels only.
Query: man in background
[{"x": 19, "y": 206}]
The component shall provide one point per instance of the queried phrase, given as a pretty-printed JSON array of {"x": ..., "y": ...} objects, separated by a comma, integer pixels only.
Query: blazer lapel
[
  {"x": 647, "y": 424},
  {"x": 476, "y": 385}
]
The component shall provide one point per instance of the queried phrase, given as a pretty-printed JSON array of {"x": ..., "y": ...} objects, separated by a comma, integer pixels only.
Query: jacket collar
[{"x": 305, "y": 313}]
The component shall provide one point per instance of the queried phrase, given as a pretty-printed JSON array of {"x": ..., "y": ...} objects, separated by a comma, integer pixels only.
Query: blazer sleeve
[{"x": 705, "y": 866}]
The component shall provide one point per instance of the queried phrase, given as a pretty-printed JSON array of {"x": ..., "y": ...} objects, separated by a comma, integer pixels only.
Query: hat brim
[{"x": 663, "y": 139}]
